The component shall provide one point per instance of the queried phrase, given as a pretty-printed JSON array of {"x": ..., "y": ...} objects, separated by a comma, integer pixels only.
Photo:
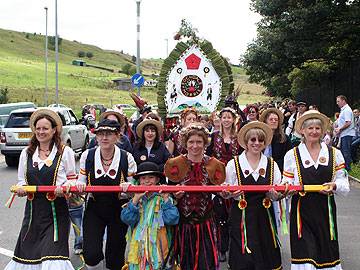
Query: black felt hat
[
  {"x": 149, "y": 168},
  {"x": 108, "y": 125}
]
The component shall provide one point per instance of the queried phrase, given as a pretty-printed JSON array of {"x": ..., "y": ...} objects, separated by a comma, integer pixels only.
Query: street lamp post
[
  {"x": 46, "y": 58},
  {"x": 167, "y": 47},
  {"x": 56, "y": 57},
  {"x": 138, "y": 39}
]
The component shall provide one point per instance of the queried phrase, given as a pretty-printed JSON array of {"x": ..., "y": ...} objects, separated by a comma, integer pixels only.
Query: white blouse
[
  {"x": 290, "y": 173},
  {"x": 231, "y": 177},
  {"x": 99, "y": 170},
  {"x": 66, "y": 170}
]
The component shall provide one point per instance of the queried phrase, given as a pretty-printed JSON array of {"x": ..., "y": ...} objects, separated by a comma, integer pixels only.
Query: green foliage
[
  {"x": 133, "y": 59},
  {"x": 52, "y": 42},
  {"x": 4, "y": 96},
  {"x": 310, "y": 74},
  {"x": 355, "y": 170},
  {"x": 126, "y": 69},
  {"x": 297, "y": 39},
  {"x": 81, "y": 54},
  {"x": 27, "y": 36},
  {"x": 89, "y": 55},
  {"x": 187, "y": 31}
]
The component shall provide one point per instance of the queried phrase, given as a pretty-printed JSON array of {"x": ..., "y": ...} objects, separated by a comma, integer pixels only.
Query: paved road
[{"x": 348, "y": 220}]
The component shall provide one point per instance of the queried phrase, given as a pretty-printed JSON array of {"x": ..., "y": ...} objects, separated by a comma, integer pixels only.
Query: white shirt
[
  {"x": 66, "y": 169},
  {"x": 99, "y": 170},
  {"x": 231, "y": 177},
  {"x": 290, "y": 174},
  {"x": 346, "y": 115}
]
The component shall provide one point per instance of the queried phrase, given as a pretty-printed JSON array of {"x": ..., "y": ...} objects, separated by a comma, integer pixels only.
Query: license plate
[{"x": 24, "y": 135}]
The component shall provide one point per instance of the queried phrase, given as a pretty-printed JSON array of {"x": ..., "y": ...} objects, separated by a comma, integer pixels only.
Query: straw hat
[
  {"x": 119, "y": 116},
  {"x": 145, "y": 122},
  {"x": 272, "y": 110},
  {"x": 311, "y": 114},
  {"x": 255, "y": 124},
  {"x": 49, "y": 113}
]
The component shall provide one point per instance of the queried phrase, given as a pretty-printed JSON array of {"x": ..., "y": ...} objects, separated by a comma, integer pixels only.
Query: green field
[{"x": 22, "y": 68}]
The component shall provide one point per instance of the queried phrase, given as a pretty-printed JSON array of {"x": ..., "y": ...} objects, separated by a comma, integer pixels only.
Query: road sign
[{"x": 137, "y": 80}]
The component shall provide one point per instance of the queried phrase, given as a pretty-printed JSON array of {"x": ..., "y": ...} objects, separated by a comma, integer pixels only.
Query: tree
[
  {"x": 52, "y": 42},
  {"x": 89, "y": 54},
  {"x": 4, "y": 96},
  {"x": 126, "y": 68},
  {"x": 187, "y": 31},
  {"x": 81, "y": 54},
  {"x": 133, "y": 59},
  {"x": 301, "y": 41}
]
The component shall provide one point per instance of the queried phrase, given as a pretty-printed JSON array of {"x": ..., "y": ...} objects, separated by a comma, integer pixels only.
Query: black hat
[
  {"x": 299, "y": 103},
  {"x": 149, "y": 168},
  {"x": 110, "y": 125},
  {"x": 145, "y": 109}
]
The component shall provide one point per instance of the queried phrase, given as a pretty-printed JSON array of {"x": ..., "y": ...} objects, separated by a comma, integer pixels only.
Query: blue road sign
[{"x": 137, "y": 80}]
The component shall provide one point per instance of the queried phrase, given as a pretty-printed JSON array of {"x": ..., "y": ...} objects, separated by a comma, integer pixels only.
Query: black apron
[
  {"x": 315, "y": 245},
  {"x": 260, "y": 241},
  {"x": 36, "y": 242}
]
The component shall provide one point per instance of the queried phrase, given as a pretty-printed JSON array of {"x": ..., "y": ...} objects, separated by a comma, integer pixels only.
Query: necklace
[
  {"x": 46, "y": 152},
  {"x": 104, "y": 159},
  {"x": 105, "y": 163}
]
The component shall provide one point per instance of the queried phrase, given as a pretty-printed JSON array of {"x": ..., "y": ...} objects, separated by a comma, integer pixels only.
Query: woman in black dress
[{"x": 43, "y": 240}]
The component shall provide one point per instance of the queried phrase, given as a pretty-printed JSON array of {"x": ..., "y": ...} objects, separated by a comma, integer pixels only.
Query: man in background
[{"x": 345, "y": 129}]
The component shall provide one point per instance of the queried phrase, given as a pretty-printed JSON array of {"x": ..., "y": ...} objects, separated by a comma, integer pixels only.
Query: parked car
[
  {"x": 5, "y": 110},
  {"x": 16, "y": 133},
  {"x": 57, "y": 105}
]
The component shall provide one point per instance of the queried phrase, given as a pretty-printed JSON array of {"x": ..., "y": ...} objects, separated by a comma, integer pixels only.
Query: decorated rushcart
[{"x": 194, "y": 75}]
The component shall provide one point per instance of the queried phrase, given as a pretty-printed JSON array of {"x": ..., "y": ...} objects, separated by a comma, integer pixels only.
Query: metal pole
[
  {"x": 138, "y": 39},
  {"x": 56, "y": 57},
  {"x": 46, "y": 59},
  {"x": 167, "y": 47}
]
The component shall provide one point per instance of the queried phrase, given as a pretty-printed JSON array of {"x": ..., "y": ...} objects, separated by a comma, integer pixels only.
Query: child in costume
[{"x": 148, "y": 216}]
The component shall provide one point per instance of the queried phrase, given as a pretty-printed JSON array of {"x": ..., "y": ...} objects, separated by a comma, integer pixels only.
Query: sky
[{"x": 229, "y": 25}]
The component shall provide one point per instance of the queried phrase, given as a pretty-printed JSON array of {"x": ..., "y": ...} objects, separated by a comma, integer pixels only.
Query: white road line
[{"x": 6, "y": 252}]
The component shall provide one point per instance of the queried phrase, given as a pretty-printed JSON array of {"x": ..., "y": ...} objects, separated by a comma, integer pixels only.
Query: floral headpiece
[
  {"x": 194, "y": 126},
  {"x": 228, "y": 109},
  {"x": 187, "y": 111}
]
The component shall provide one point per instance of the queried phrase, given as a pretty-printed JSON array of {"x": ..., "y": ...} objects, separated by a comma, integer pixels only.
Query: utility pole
[
  {"x": 138, "y": 39},
  {"x": 167, "y": 47},
  {"x": 56, "y": 57},
  {"x": 46, "y": 58}
]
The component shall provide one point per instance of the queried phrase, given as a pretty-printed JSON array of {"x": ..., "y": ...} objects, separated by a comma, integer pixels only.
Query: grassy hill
[{"x": 22, "y": 72}]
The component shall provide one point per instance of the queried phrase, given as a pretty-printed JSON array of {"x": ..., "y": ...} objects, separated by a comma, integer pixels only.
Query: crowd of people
[{"x": 264, "y": 144}]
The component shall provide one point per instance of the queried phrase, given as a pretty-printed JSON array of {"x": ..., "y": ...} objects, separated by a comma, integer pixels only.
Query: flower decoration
[
  {"x": 50, "y": 196},
  {"x": 266, "y": 203},
  {"x": 30, "y": 196},
  {"x": 242, "y": 204}
]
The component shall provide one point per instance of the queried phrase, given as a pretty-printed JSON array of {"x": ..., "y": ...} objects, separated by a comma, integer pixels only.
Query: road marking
[{"x": 6, "y": 252}]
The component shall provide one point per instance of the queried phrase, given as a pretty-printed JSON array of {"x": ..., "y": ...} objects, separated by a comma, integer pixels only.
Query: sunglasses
[{"x": 254, "y": 139}]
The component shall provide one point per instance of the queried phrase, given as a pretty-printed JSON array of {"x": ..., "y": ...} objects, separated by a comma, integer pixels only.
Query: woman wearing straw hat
[
  {"x": 224, "y": 146},
  {"x": 124, "y": 142},
  {"x": 253, "y": 234},
  {"x": 188, "y": 116},
  {"x": 313, "y": 229},
  {"x": 280, "y": 143},
  {"x": 195, "y": 245},
  {"x": 108, "y": 165},
  {"x": 43, "y": 240},
  {"x": 149, "y": 147}
]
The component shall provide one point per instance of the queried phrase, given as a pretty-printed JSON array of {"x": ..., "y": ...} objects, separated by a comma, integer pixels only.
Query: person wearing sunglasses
[
  {"x": 253, "y": 234},
  {"x": 252, "y": 114}
]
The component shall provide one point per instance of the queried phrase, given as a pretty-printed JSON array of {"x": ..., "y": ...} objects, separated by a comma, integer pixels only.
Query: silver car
[{"x": 16, "y": 133}]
